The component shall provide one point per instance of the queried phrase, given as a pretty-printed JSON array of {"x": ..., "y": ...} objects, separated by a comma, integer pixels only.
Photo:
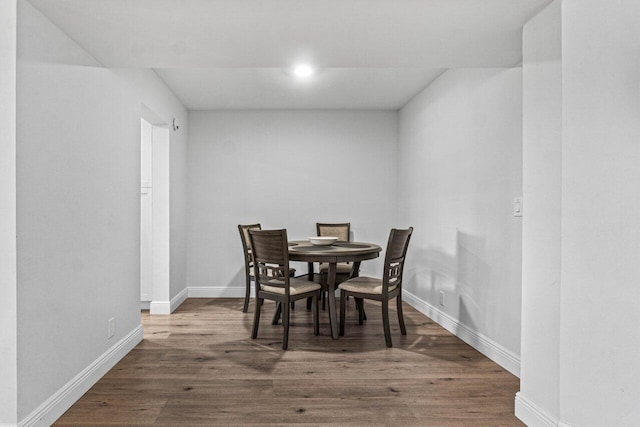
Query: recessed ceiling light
[{"x": 302, "y": 71}]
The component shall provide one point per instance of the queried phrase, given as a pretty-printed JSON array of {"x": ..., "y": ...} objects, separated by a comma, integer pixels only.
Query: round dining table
[{"x": 355, "y": 252}]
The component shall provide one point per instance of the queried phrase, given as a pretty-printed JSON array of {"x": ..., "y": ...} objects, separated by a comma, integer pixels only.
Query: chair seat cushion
[
  {"x": 341, "y": 268},
  {"x": 364, "y": 285},
  {"x": 296, "y": 286}
]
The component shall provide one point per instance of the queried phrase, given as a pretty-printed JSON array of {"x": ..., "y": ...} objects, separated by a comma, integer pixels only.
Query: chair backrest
[
  {"x": 271, "y": 257},
  {"x": 394, "y": 258},
  {"x": 246, "y": 243},
  {"x": 341, "y": 231}
]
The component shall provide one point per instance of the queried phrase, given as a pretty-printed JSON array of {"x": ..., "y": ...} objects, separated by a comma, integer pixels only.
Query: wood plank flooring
[{"x": 199, "y": 367}]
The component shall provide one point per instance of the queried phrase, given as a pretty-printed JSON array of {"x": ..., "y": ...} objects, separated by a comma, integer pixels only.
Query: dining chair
[
  {"x": 343, "y": 232},
  {"x": 273, "y": 279},
  {"x": 343, "y": 269},
  {"x": 384, "y": 289},
  {"x": 248, "y": 261}
]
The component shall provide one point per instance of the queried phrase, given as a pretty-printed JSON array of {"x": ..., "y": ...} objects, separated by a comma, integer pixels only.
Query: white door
[{"x": 146, "y": 215}]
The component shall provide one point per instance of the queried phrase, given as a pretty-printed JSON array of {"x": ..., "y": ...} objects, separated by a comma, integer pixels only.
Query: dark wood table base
[{"x": 354, "y": 252}]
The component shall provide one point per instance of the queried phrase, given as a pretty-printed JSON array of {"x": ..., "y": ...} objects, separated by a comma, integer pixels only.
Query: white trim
[
  {"x": 160, "y": 222},
  {"x": 168, "y": 307},
  {"x": 533, "y": 415},
  {"x": 179, "y": 299},
  {"x": 494, "y": 351},
  {"x": 160, "y": 307},
  {"x": 216, "y": 292},
  {"x": 56, "y": 405},
  {"x": 145, "y": 305}
]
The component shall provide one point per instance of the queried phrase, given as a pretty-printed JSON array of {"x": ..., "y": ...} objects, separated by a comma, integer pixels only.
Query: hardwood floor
[{"x": 199, "y": 367}]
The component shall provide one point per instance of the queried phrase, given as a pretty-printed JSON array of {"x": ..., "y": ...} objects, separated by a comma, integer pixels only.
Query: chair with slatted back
[
  {"x": 343, "y": 269},
  {"x": 343, "y": 232},
  {"x": 248, "y": 261},
  {"x": 385, "y": 289},
  {"x": 274, "y": 281}
]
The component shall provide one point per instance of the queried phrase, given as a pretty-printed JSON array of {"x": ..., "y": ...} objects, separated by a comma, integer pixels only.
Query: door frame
[{"x": 160, "y": 228}]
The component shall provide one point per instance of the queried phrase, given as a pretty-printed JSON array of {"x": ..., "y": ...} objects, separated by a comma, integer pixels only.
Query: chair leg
[
  {"x": 324, "y": 300},
  {"x": 360, "y": 307},
  {"x": 343, "y": 309},
  {"x": 316, "y": 314},
  {"x": 256, "y": 318},
  {"x": 285, "y": 321},
  {"x": 309, "y": 301},
  {"x": 403, "y": 330},
  {"x": 385, "y": 322},
  {"x": 247, "y": 296},
  {"x": 362, "y": 315},
  {"x": 276, "y": 315},
  {"x": 293, "y": 305}
]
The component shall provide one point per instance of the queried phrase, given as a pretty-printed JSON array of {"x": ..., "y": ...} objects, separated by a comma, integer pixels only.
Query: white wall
[
  {"x": 581, "y": 156},
  {"x": 78, "y": 250},
  {"x": 460, "y": 169},
  {"x": 78, "y": 212},
  {"x": 178, "y": 198},
  {"x": 285, "y": 169},
  {"x": 8, "y": 273},
  {"x": 155, "y": 96},
  {"x": 599, "y": 334},
  {"x": 541, "y": 235}
]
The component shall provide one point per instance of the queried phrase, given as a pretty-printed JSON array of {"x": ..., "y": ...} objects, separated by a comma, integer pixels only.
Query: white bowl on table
[{"x": 323, "y": 241}]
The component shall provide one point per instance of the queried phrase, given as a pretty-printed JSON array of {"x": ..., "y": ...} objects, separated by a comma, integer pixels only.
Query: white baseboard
[
  {"x": 160, "y": 307},
  {"x": 179, "y": 299},
  {"x": 145, "y": 305},
  {"x": 533, "y": 415},
  {"x": 49, "y": 411},
  {"x": 494, "y": 351},
  {"x": 216, "y": 292},
  {"x": 168, "y": 307}
]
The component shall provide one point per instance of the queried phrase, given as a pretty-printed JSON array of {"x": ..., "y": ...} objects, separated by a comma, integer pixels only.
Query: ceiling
[{"x": 237, "y": 54}]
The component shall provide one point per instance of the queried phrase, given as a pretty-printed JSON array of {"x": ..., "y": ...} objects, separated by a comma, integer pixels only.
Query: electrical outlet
[
  {"x": 111, "y": 327},
  {"x": 442, "y": 298}
]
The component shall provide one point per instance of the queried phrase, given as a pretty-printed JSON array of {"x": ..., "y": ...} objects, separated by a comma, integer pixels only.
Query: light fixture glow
[{"x": 302, "y": 71}]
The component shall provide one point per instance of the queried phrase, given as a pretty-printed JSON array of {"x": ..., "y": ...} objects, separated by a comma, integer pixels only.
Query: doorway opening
[{"x": 154, "y": 214}]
